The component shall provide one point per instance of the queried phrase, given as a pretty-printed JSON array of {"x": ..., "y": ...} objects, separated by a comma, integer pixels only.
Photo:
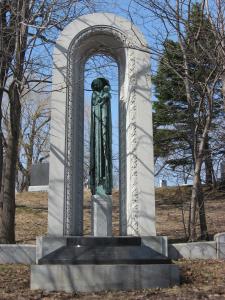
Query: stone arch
[{"x": 86, "y": 36}]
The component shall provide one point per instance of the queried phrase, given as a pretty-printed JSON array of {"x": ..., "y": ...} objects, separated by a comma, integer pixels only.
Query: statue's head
[
  {"x": 98, "y": 84},
  {"x": 106, "y": 88}
]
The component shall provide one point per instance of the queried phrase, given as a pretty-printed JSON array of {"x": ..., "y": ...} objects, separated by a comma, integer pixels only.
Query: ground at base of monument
[{"x": 199, "y": 280}]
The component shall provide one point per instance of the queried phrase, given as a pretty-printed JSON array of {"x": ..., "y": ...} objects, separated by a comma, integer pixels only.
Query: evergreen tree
[{"x": 172, "y": 138}]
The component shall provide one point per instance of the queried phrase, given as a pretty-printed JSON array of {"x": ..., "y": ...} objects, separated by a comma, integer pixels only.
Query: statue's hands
[{"x": 95, "y": 98}]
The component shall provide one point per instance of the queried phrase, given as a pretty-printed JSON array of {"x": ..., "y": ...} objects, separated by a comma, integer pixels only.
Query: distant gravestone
[
  {"x": 163, "y": 183},
  {"x": 39, "y": 177}
]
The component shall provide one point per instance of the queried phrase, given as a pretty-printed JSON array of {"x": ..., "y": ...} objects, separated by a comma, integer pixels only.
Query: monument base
[
  {"x": 89, "y": 264},
  {"x": 101, "y": 215},
  {"x": 94, "y": 278}
]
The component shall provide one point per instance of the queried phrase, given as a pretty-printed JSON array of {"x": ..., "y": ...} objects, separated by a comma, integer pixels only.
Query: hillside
[{"x": 172, "y": 205}]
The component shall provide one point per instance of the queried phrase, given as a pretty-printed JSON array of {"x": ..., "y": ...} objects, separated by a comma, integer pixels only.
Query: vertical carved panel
[
  {"x": 122, "y": 166},
  {"x": 132, "y": 206},
  {"x": 68, "y": 178}
]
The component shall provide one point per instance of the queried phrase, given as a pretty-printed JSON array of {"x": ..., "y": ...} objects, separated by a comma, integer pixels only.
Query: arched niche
[{"x": 111, "y": 35}]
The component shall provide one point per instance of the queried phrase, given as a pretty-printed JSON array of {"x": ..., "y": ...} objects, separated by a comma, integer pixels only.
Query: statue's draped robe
[{"x": 101, "y": 143}]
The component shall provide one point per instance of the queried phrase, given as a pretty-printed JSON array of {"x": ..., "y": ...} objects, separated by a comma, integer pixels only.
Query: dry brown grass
[
  {"x": 172, "y": 206},
  {"x": 200, "y": 280}
]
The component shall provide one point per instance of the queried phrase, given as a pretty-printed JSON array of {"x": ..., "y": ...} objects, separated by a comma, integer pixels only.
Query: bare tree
[
  {"x": 174, "y": 22},
  {"x": 34, "y": 135},
  {"x": 28, "y": 29}
]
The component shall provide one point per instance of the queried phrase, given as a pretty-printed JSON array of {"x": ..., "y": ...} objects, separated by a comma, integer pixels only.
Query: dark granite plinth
[
  {"x": 104, "y": 255},
  {"x": 91, "y": 241}
]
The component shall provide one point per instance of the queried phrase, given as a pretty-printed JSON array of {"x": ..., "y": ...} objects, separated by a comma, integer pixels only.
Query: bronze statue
[{"x": 101, "y": 138}]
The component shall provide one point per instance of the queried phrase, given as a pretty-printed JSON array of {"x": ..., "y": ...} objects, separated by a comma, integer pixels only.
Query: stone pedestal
[
  {"x": 101, "y": 215},
  {"x": 95, "y": 278},
  {"x": 89, "y": 264}
]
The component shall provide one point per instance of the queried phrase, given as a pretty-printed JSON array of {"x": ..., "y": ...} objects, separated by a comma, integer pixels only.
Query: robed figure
[{"x": 101, "y": 138}]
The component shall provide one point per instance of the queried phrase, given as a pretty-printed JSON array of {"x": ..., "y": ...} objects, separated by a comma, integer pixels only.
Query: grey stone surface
[
  {"x": 40, "y": 174},
  {"x": 100, "y": 250},
  {"x": 196, "y": 250},
  {"x": 17, "y": 254},
  {"x": 101, "y": 215},
  {"x": 157, "y": 243},
  {"x": 93, "y": 278},
  {"x": 220, "y": 241},
  {"x": 38, "y": 188},
  {"x": 48, "y": 244},
  {"x": 104, "y": 255}
]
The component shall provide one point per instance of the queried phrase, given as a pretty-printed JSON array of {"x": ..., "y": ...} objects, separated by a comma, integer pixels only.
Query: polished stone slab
[
  {"x": 48, "y": 244},
  {"x": 91, "y": 241},
  {"x": 104, "y": 255}
]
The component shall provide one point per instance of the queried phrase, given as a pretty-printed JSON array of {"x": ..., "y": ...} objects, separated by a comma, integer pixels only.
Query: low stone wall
[
  {"x": 26, "y": 254},
  {"x": 17, "y": 254},
  {"x": 38, "y": 188},
  {"x": 198, "y": 250}
]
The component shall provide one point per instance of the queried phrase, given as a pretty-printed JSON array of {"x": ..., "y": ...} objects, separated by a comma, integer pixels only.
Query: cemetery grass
[
  {"x": 200, "y": 279},
  {"x": 172, "y": 208}
]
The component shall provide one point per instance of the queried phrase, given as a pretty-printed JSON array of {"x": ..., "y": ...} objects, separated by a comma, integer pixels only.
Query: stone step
[
  {"x": 95, "y": 278},
  {"x": 104, "y": 255}
]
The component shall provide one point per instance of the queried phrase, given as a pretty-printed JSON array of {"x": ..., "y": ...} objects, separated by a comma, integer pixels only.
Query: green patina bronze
[{"x": 101, "y": 138}]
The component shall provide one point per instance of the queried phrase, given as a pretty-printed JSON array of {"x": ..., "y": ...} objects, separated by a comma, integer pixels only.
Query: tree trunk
[
  {"x": 7, "y": 220},
  {"x": 20, "y": 11},
  {"x": 7, "y": 233},
  {"x": 197, "y": 196},
  {"x": 208, "y": 164},
  {"x": 193, "y": 208}
]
